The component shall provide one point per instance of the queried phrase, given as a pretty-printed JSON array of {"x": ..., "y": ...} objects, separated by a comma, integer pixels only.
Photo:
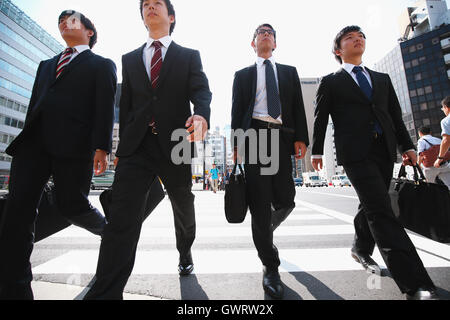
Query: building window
[
  {"x": 413, "y": 93},
  {"x": 428, "y": 89},
  {"x": 420, "y": 92},
  {"x": 415, "y": 62},
  {"x": 423, "y": 106},
  {"x": 15, "y": 88},
  {"x": 435, "y": 40},
  {"x": 419, "y": 46},
  {"x": 418, "y": 76}
]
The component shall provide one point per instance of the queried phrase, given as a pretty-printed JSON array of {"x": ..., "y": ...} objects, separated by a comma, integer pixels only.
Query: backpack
[{"x": 430, "y": 156}]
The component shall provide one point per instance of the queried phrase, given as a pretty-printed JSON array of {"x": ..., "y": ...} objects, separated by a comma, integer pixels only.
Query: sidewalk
[{"x": 56, "y": 291}]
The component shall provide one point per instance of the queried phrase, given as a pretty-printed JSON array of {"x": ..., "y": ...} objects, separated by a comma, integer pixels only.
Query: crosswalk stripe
[
  {"x": 225, "y": 232},
  {"x": 160, "y": 262}
]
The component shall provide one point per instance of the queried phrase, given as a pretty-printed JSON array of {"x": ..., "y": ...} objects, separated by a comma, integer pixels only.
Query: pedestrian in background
[
  {"x": 443, "y": 159},
  {"x": 428, "y": 148},
  {"x": 214, "y": 178}
]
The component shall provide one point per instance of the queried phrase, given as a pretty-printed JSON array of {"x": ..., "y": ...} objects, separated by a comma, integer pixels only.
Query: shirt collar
[
  {"x": 165, "y": 41},
  {"x": 81, "y": 48},
  {"x": 260, "y": 61},
  {"x": 349, "y": 67}
]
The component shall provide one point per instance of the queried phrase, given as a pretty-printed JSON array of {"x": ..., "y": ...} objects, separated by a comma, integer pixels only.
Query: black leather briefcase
[
  {"x": 49, "y": 220},
  {"x": 156, "y": 195},
  {"x": 236, "y": 203},
  {"x": 421, "y": 207}
]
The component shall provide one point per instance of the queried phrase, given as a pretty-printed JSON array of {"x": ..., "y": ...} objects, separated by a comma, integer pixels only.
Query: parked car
[
  {"x": 4, "y": 181},
  {"x": 103, "y": 181},
  {"x": 311, "y": 179},
  {"x": 298, "y": 182},
  {"x": 324, "y": 182},
  {"x": 341, "y": 181}
]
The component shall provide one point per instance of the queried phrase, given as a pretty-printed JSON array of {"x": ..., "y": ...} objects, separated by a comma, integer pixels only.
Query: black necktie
[
  {"x": 368, "y": 91},
  {"x": 273, "y": 98}
]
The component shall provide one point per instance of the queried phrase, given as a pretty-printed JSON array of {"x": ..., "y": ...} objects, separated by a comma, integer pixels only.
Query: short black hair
[
  {"x": 267, "y": 26},
  {"x": 425, "y": 130},
  {"x": 340, "y": 35},
  {"x": 170, "y": 10},
  {"x": 86, "y": 23},
  {"x": 446, "y": 102}
]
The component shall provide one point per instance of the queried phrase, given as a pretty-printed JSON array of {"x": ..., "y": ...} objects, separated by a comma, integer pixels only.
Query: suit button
[{"x": 155, "y": 98}]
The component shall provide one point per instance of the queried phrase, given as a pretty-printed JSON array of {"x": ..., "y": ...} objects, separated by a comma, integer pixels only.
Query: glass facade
[
  {"x": 426, "y": 75},
  {"x": 5, "y": 66},
  {"x": 11, "y": 86},
  {"x": 23, "y": 45},
  {"x": 393, "y": 65},
  {"x": 5, "y": 30},
  {"x": 19, "y": 17}
]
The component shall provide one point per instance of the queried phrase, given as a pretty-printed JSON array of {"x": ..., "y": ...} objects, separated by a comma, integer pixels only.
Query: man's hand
[
  {"x": 409, "y": 158},
  {"x": 438, "y": 162},
  {"x": 116, "y": 161},
  {"x": 100, "y": 162},
  {"x": 300, "y": 150},
  {"x": 197, "y": 126},
  {"x": 317, "y": 164}
]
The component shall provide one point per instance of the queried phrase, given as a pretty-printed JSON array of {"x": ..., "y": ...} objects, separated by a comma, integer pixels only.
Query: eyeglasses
[{"x": 263, "y": 31}]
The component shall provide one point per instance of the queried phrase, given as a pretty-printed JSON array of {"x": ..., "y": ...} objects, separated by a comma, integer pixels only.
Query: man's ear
[
  {"x": 172, "y": 19},
  {"x": 253, "y": 44},
  {"x": 90, "y": 33}
]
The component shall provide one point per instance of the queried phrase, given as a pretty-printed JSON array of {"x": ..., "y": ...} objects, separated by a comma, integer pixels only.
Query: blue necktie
[
  {"x": 273, "y": 98},
  {"x": 367, "y": 89}
]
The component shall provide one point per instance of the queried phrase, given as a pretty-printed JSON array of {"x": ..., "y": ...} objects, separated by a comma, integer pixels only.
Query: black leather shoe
[
  {"x": 186, "y": 266},
  {"x": 272, "y": 284},
  {"x": 278, "y": 216},
  {"x": 423, "y": 294},
  {"x": 367, "y": 262}
]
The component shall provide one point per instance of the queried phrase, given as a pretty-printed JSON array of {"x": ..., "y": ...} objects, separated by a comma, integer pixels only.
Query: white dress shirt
[
  {"x": 422, "y": 145},
  {"x": 349, "y": 68},
  {"x": 149, "y": 50},
  {"x": 260, "y": 111},
  {"x": 79, "y": 49}
]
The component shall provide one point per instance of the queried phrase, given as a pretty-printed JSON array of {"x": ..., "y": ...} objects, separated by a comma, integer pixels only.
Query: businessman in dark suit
[
  {"x": 160, "y": 79},
  {"x": 369, "y": 127},
  {"x": 67, "y": 134},
  {"x": 268, "y": 96}
]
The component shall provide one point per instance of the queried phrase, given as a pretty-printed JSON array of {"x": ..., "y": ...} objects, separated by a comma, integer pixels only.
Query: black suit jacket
[
  {"x": 73, "y": 114},
  {"x": 181, "y": 81},
  {"x": 292, "y": 108},
  {"x": 354, "y": 115}
]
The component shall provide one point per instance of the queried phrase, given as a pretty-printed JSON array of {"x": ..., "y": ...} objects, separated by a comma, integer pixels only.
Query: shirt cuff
[
  {"x": 316, "y": 156},
  {"x": 409, "y": 151}
]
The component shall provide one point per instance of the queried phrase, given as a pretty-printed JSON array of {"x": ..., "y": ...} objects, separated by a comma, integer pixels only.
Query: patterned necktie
[
  {"x": 368, "y": 91},
  {"x": 64, "y": 61},
  {"x": 273, "y": 98},
  {"x": 156, "y": 64}
]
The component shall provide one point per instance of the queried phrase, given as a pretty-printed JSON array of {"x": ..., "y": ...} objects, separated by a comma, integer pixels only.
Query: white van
[{"x": 340, "y": 180}]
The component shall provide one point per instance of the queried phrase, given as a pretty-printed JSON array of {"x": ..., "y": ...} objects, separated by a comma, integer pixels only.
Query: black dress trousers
[
  {"x": 267, "y": 192},
  {"x": 134, "y": 175},
  {"x": 371, "y": 178}
]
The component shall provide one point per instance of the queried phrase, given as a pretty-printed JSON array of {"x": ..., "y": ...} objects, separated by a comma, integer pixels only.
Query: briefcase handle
[
  {"x": 235, "y": 168},
  {"x": 418, "y": 173}
]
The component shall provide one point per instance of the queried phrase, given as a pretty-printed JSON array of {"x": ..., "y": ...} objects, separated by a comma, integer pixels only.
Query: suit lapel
[
  {"x": 375, "y": 84},
  {"x": 281, "y": 81},
  {"x": 140, "y": 68},
  {"x": 78, "y": 59},
  {"x": 253, "y": 78},
  {"x": 349, "y": 81},
  {"x": 171, "y": 55}
]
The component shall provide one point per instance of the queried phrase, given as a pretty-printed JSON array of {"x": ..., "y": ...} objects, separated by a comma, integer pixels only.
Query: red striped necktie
[
  {"x": 64, "y": 61},
  {"x": 156, "y": 63}
]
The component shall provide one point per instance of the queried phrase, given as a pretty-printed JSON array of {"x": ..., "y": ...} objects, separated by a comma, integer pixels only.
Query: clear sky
[{"x": 222, "y": 32}]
